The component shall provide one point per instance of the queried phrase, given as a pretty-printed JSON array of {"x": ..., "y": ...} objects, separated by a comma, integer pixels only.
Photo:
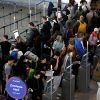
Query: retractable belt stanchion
[
  {"x": 44, "y": 6},
  {"x": 51, "y": 83},
  {"x": 30, "y": 12},
  {"x": 4, "y": 29},
  {"x": 68, "y": 83},
  {"x": 84, "y": 74},
  {"x": 40, "y": 20},
  {"x": 35, "y": 21},
  {"x": 10, "y": 22},
  {"x": 35, "y": 11},
  {"x": 3, "y": 11},
  {"x": 14, "y": 16},
  {"x": 21, "y": 17},
  {"x": 51, "y": 86}
]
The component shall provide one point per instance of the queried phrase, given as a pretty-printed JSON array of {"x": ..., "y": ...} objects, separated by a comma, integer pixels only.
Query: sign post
[{"x": 16, "y": 88}]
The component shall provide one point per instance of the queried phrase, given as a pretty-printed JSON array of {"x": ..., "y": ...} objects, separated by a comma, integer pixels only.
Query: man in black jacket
[
  {"x": 45, "y": 31},
  {"x": 31, "y": 35},
  {"x": 5, "y": 47}
]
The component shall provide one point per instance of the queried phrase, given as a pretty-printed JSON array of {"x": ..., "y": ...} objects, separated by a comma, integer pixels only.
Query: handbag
[{"x": 96, "y": 73}]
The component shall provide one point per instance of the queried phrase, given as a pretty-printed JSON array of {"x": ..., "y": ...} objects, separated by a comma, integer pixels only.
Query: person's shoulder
[
  {"x": 76, "y": 40},
  {"x": 8, "y": 43},
  {"x": 35, "y": 30}
]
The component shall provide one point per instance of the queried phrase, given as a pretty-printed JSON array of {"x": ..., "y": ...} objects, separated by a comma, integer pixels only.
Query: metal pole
[
  {"x": 59, "y": 4},
  {"x": 40, "y": 17},
  {"x": 17, "y": 24},
  {"x": 51, "y": 83},
  {"x": 21, "y": 17},
  {"x": 3, "y": 19},
  {"x": 87, "y": 62},
  {"x": 35, "y": 11},
  {"x": 44, "y": 13},
  {"x": 30, "y": 9},
  {"x": 70, "y": 72},
  {"x": 10, "y": 22},
  {"x": 3, "y": 15},
  {"x": 4, "y": 30},
  {"x": 14, "y": 16}
]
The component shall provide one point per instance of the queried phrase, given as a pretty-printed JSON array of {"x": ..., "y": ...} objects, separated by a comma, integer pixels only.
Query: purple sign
[{"x": 16, "y": 88}]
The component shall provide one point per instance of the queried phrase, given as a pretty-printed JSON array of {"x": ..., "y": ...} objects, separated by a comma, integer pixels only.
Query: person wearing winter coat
[
  {"x": 50, "y": 8},
  {"x": 93, "y": 37}
]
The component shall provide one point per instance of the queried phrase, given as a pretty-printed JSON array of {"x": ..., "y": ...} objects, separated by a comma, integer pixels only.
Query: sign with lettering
[{"x": 16, "y": 88}]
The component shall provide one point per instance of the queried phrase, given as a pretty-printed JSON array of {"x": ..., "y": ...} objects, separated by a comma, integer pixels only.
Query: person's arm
[
  {"x": 56, "y": 66},
  {"x": 7, "y": 77},
  {"x": 7, "y": 72},
  {"x": 43, "y": 72}
]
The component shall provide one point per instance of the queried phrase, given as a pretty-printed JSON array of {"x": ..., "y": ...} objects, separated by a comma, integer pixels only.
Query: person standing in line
[
  {"x": 31, "y": 34},
  {"x": 5, "y": 48},
  {"x": 79, "y": 46},
  {"x": 45, "y": 30},
  {"x": 80, "y": 26}
]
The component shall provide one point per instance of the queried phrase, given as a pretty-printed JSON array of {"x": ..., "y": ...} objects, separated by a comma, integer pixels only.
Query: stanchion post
[
  {"x": 21, "y": 17},
  {"x": 70, "y": 72},
  {"x": 30, "y": 15},
  {"x": 15, "y": 12},
  {"x": 4, "y": 16},
  {"x": 14, "y": 16},
  {"x": 14, "y": 22},
  {"x": 4, "y": 29},
  {"x": 87, "y": 62},
  {"x": 30, "y": 12},
  {"x": 44, "y": 13},
  {"x": 51, "y": 83},
  {"x": 17, "y": 24},
  {"x": 40, "y": 17},
  {"x": 10, "y": 22},
  {"x": 35, "y": 11}
]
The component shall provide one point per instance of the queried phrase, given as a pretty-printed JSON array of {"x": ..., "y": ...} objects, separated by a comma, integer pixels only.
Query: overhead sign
[{"x": 16, "y": 88}]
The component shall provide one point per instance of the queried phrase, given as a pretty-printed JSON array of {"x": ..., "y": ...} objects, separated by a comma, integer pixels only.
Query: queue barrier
[
  {"x": 68, "y": 85},
  {"x": 11, "y": 13},
  {"x": 16, "y": 22},
  {"x": 83, "y": 80}
]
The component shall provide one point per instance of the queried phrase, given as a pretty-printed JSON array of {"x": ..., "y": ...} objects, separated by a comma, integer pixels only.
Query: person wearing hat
[{"x": 93, "y": 39}]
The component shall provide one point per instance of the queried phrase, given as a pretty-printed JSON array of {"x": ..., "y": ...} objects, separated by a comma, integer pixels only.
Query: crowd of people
[{"x": 70, "y": 31}]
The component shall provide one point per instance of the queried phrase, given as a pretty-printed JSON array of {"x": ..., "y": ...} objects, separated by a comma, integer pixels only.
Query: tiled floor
[{"x": 90, "y": 95}]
